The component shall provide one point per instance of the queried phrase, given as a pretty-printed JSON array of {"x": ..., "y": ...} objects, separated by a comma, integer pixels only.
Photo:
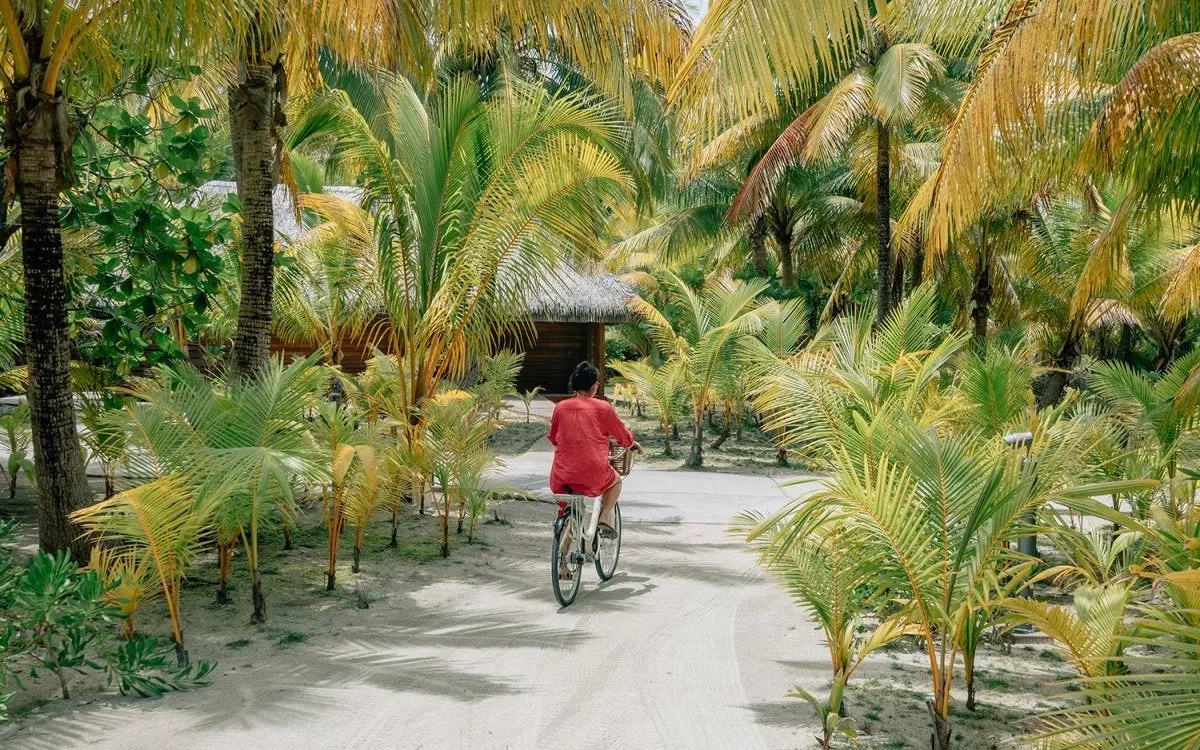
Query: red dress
[{"x": 579, "y": 431}]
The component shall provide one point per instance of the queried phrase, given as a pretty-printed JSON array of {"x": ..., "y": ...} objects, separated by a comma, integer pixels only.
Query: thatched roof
[
  {"x": 286, "y": 225},
  {"x": 572, "y": 294},
  {"x": 575, "y": 295}
]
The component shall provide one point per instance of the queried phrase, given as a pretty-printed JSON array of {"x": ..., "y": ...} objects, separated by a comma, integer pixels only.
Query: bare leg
[{"x": 610, "y": 499}]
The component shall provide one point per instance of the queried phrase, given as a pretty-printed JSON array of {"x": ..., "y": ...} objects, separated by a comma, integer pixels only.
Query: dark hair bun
[{"x": 584, "y": 377}]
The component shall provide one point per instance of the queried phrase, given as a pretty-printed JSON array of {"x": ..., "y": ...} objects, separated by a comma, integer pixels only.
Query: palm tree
[
  {"x": 1154, "y": 704},
  {"x": 477, "y": 203},
  {"x": 240, "y": 446},
  {"x": 354, "y": 473},
  {"x": 162, "y": 526},
  {"x": 455, "y": 444},
  {"x": 331, "y": 293},
  {"x": 702, "y": 343},
  {"x": 935, "y": 499},
  {"x": 660, "y": 388},
  {"x": 50, "y": 49},
  {"x": 268, "y": 39},
  {"x": 829, "y": 581},
  {"x": 281, "y": 35},
  {"x": 1075, "y": 87},
  {"x": 1086, "y": 261},
  {"x": 885, "y": 61},
  {"x": 1163, "y": 410}
]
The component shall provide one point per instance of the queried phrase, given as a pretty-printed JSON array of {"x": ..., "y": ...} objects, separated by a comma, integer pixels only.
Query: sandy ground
[{"x": 688, "y": 646}]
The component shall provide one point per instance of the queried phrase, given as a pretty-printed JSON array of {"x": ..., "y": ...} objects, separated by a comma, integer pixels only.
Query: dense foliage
[{"x": 945, "y": 251}]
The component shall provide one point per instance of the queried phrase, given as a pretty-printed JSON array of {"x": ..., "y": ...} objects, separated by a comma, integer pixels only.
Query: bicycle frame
[{"x": 573, "y": 510}]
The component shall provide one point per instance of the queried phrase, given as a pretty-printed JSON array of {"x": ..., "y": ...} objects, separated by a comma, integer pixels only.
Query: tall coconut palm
[
  {"x": 703, "y": 341},
  {"x": 52, "y": 48},
  {"x": 1085, "y": 260},
  {"x": 1073, "y": 87},
  {"x": 284, "y": 35},
  {"x": 882, "y": 58},
  {"x": 270, "y": 40}
]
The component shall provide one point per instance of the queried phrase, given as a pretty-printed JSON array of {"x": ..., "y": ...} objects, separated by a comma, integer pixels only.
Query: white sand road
[{"x": 688, "y": 646}]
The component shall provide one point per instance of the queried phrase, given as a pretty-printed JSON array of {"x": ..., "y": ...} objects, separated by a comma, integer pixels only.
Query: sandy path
[{"x": 688, "y": 646}]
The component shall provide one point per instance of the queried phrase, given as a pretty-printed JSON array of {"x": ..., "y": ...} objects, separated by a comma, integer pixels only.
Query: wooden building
[{"x": 569, "y": 315}]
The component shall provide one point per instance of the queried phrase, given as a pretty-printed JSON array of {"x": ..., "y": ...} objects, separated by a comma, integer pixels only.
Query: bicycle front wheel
[
  {"x": 608, "y": 549},
  {"x": 563, "y": 561}
]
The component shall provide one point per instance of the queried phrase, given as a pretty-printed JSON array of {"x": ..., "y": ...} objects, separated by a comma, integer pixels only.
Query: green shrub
[{"x": 54, "y": 619}]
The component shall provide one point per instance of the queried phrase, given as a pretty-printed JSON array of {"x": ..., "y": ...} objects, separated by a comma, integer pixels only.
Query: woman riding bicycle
[{"x": 580, "y": 430}]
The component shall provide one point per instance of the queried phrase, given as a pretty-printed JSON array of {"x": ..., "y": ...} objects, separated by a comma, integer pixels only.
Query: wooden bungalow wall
[{"x": 550, "y": 360}]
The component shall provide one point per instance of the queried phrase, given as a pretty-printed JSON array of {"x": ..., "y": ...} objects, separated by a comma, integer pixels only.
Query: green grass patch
[
  {"x": 1047, "y": 654},
  {"x": 291, "y": 639},
  {"x": 239, "y": 643}
]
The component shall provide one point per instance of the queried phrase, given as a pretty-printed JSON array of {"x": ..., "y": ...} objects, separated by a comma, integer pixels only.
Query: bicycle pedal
[{"x": 578, "y": 559}]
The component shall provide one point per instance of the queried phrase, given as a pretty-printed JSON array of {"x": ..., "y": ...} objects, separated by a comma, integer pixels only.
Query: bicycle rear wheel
[
  {"x": 608, "y": 549},
  {"x": 561, "y": 558}
]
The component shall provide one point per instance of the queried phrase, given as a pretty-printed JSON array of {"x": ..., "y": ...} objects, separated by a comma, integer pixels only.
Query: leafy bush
[{"x": 55, "y": 618}]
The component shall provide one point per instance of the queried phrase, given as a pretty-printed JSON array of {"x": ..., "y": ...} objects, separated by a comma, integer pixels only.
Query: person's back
[{"x": 580, "y": 430}]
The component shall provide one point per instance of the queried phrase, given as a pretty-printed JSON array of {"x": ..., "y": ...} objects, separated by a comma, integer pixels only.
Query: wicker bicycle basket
[{"x": 621, "y": 458}]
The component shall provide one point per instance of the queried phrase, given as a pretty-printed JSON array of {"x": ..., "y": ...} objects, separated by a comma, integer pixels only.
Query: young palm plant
[
  {"x": 933, "y": 509},
  {"x": 162, "y": 526},
  {"x": 241, "y": 446},
  {"x": 703, "y": 340},
  {"x": 455, "y": 443},
  {"x": 1162, "y": 411},
  {"x": 16, "y": 437},
  {"x": 830, "y": 582},
  {"x": 354, "y": 472},
  {"x": 659, "y": 388}
]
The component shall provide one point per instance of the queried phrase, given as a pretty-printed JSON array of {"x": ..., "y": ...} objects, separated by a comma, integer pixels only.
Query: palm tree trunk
[
  {"x": 883, "y": 223},
  {"x": 981, "y": 296},
  {"x": 37, "y": 135},
  {"x": 696, "y": 457},
  {"x": 969, "y": 677},
  {"x": 1056, "y": 382},
  {"x": 787, "y": 262},
  {"x": 225, "y": 566},
  {"x": 253, "y": 123},
  {"x": 757, "y": 236},
  {"x": 940, "y": 740},
  {"x": 918, "y": 265},
  {"x": 446, "y": 532},
  {"x": 257, "y": 598},
  {"x": 395, "y": 525}
]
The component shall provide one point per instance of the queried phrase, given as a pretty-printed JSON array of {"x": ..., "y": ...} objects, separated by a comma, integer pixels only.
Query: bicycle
[{"x": 585, "y": 544}]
